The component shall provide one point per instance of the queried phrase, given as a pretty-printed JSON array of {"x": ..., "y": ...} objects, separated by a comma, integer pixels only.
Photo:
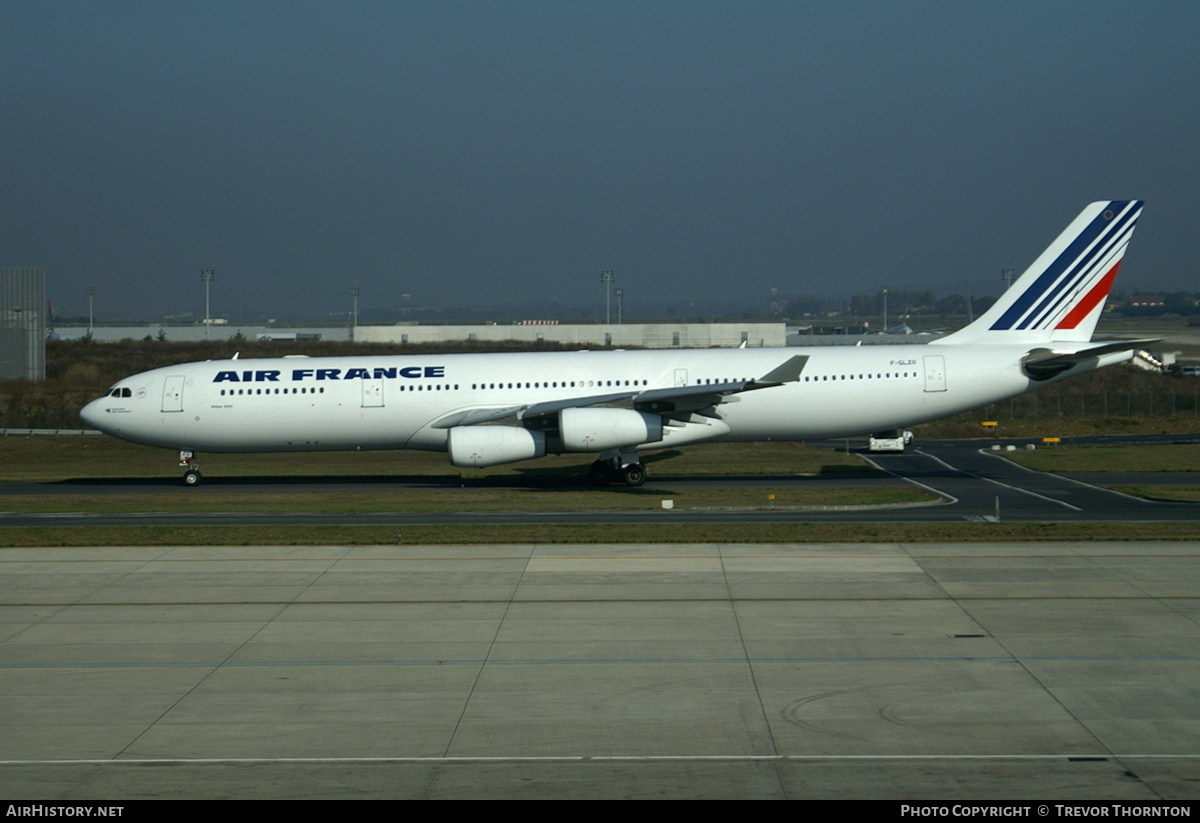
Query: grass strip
[
  {"x": 454, "y": 499},
  {"x": 1189, "y": 494},
  {"x": 1167, "y": 457},
  {"x": 47, "y": 459},
  {"x": 12, "y": 537}
]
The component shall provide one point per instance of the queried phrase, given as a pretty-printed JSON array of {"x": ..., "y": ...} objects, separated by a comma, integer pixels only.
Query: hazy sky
[{"x": 479, "y": 152}]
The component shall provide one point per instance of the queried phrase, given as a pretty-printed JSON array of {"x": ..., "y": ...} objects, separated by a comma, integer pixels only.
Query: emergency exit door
[
  {"x": 935, "y": 372},
  {"x": 372, "y": 393},
  {"x": 172, "y": 399}
]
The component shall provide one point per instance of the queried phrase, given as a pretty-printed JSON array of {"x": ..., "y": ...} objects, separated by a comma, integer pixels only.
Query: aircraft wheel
[
  {"x": 191, "y": 477},
  {"x": 600, "y": 473},
  {"x": 634, "y": 474}
]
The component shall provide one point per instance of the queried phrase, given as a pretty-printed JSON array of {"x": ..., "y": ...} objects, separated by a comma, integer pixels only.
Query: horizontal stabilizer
[{"x": 1042, "y": 364}]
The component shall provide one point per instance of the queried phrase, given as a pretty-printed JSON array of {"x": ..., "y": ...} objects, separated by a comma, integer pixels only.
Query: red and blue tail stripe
[{"x": 1073, "y": 277}]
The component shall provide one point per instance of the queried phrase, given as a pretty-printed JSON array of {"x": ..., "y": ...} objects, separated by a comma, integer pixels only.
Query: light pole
[
  {"x": 354, "y": 292},
  {"x": 206, "y": 276},
  {"x": 885, "y": 326},
  {"x": 620, "y": 303},
  {"x": 606, "y": 277},
  {"x": 91, "y": 292}
]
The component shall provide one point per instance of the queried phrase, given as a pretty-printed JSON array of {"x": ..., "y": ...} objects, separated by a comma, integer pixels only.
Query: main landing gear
[
  {"x": 191, "y": 475},
  {"x": 626, "y": 467}
]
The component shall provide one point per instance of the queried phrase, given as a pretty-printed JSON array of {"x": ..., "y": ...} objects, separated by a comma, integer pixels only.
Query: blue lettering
[
  {"x": 380, "y": 372},
  {"x": 223, "y": 376}
]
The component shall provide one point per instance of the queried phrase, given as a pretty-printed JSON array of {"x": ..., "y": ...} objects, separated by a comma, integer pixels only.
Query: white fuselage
[{"x": 393, "y": 402}]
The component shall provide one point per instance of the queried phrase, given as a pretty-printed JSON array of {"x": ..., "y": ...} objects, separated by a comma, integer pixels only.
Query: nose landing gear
[{"x": 192, "y": 476}]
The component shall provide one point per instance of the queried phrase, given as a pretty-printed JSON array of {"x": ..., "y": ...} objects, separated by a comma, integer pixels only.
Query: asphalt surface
[{"x": 975, "y": 483}]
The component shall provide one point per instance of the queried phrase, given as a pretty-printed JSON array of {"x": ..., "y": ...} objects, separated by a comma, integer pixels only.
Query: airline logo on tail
[{"x": 1071, "y": 279}]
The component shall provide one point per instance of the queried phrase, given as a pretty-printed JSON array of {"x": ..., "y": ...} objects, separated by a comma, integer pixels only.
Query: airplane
[{"x": 491, "y": 409}]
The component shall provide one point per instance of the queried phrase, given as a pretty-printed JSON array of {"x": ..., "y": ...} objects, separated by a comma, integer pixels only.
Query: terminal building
[{"x": 632, "y": 335}]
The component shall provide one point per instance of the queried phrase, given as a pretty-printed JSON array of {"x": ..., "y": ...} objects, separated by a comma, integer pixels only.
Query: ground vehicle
[{"x": 890, "y": 441}]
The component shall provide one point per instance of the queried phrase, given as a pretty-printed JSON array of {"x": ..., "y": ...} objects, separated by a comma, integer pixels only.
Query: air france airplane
[{"x": 489, "y": 409}]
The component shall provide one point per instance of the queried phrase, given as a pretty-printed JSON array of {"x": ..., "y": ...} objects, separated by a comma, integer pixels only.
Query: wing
[{"x": 677, "y": 400}]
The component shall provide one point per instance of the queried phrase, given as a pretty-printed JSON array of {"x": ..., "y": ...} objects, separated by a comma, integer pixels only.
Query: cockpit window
[{"x": 119, "y": 392}]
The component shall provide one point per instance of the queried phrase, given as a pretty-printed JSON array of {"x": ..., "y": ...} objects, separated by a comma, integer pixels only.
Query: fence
[{"x": 1096, "y": 404}]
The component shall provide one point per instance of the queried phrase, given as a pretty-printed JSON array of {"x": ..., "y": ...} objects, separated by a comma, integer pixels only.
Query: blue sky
[{"x": 486, "y": 152}]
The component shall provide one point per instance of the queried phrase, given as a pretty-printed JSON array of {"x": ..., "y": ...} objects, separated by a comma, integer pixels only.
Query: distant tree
[
  {"x": 951, "y": 304},
  {"x": 861, "y": 304},
  {"x": 982, "y": 304},
  {"x": 1179, "y": 302},
  {"x": 914, "y": 301},
  {"x": 813, "y": 305}
]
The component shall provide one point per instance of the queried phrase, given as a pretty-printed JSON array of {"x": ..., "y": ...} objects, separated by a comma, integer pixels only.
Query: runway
[{"x": 997, "y": 671}]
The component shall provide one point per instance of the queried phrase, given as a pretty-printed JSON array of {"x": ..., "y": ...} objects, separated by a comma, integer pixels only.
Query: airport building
[
  {"x": 22, "y": 324},
  {"x": 632, "y": 335}
]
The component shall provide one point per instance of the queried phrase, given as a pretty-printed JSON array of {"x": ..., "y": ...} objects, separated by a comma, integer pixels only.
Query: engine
[
  {"x": 598, "y": 429},
  {"x": 478, "y": 446}
]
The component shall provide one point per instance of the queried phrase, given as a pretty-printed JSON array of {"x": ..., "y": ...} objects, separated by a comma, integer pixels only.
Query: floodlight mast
[
  {"x": 606, "y": 277},
  {"x": 206, "y": 276}
]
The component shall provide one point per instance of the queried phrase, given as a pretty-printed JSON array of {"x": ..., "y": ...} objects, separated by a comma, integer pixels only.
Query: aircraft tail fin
[{"x": 1060, "y": 297}]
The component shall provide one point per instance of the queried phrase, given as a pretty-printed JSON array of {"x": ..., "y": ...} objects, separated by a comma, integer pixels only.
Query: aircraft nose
[{"x": 92, "y": 414}]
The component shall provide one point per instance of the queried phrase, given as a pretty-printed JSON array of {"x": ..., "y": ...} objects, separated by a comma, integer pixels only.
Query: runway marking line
[
  {"x": 987, "y": 453},
  {"x": 948, "y": 499},
  {"x": 997, "y": 482}
]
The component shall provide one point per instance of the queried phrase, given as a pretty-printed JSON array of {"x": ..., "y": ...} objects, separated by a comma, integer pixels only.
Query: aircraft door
[
  {"x": 372, "y": 393},
  {"x": 935, "y": 372},
  {"x": 681, "y": 377},
  {"x": 172, "y": 399}
]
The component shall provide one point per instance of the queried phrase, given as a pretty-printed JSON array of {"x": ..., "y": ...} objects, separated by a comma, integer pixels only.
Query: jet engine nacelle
[
  {"x": 478, "y": 446},
  {"x": 599, "y": 429}
]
